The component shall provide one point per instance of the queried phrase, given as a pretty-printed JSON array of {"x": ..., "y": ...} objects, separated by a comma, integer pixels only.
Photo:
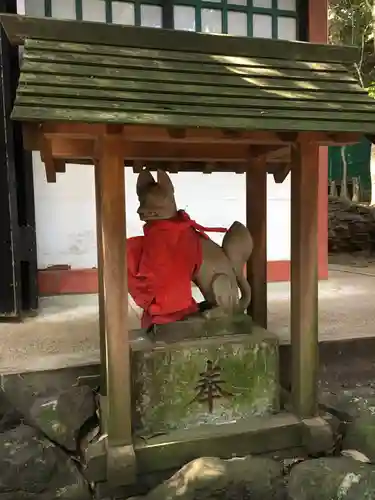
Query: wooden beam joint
[
  {"x": 288, "y": 136},
  {"x": 270, "y": 152},
  {"x": 281, "y": 172},
  {"x": 48, "y": 159}
]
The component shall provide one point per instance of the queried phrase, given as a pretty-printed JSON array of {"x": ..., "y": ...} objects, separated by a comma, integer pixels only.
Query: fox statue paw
[{"x": 215, "y": 313}]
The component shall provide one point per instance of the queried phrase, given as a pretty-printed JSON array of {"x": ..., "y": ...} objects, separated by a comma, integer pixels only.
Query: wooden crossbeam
[
  {"x": 189, "y": 166},
  {"x": 80, "y": 148},
  {"x": 173, "y": 150},
  {"x": 145, "y": 133},
  {"x": 201, "y": 135}
]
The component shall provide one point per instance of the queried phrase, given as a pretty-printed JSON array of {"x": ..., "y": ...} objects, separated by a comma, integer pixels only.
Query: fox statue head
[{"x": 156, "y": 198}]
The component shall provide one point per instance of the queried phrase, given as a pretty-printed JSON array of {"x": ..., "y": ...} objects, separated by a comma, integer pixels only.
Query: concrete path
[{"x": 66, "y": 331}]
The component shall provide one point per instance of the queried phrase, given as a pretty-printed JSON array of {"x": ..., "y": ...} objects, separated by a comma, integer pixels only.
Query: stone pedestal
[{"x": 228, "y": 373}]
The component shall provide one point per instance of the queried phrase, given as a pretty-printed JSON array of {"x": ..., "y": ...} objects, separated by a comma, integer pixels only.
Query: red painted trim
[
  {"x": 278, "y": 270},
  {"x": 318, "y": 33},
  {"x": 318, "y": 21},
  {"x": 323, "y": 214},
  {"x": 62, "y": 280},
  {"x": 67, "y": 281}
]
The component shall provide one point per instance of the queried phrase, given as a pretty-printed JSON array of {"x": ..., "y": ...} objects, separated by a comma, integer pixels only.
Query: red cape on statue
[{"x": 161, "y": 265}]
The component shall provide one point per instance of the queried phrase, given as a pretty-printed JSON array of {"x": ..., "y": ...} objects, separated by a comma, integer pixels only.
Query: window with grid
[
  {"x": 254, "y": 18},
  {"x": 139, "y": 13}
]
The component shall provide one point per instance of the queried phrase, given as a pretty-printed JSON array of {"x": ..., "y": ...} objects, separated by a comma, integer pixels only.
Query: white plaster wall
[{"x": 65, "y": 211}]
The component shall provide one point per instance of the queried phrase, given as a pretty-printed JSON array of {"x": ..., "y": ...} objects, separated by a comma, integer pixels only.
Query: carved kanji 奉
[
  {"x": 175, "y": 251},
  {"x": 209, "y": 386}
]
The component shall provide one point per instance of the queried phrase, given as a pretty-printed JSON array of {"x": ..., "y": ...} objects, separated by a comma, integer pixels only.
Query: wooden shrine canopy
[
  {"x": 174, "y": 94},
  {"x": 109, "y": 94}
]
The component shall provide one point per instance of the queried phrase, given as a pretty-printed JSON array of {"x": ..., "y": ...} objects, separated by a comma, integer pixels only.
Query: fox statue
[{"x": 191, "y": 256}]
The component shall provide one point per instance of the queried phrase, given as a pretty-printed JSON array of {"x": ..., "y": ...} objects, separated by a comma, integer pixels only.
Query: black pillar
[{"x": 18, "y": 276}]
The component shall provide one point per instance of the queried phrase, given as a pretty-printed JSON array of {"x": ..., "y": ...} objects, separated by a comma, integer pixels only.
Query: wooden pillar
[
  {"x": 304, "y": 277},
  {"x": 256, "y": 221},
  {"x": 102, "y": 325},
  {"x": 318, "y": 33},
  {"x": 110, "y": 192}
]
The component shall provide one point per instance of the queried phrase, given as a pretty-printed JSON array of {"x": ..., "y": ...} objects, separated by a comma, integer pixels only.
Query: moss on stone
[{"x": 173, "y": 382}]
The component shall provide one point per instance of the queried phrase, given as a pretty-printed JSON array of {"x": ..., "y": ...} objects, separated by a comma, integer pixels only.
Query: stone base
[{"x": 217, "y": 378}]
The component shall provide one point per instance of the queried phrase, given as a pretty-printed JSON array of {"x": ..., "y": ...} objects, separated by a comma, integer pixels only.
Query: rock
[
  {"x": 351, "y": 227},
  {"x": 357, "y": 408},
  {"x": 59, "y": 413},
  {"x": 349, "y": 404},
  {"x": 335, "y": 478},
  {"x": 289, "y": 463},
  {"x": 9, "y": 416},
  {"x": 250, "y": 478},
  {"x": 61, "y": 417},
  {"x": 31, "y": 468},
  {"x": 360, "y": 435},
  {"x": 356, "y": 455}
]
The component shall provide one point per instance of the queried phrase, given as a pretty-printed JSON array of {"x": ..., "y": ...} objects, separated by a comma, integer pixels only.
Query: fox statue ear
[
  {"x": 144, "y": 180},
  {"x": 165, "y": 181}
]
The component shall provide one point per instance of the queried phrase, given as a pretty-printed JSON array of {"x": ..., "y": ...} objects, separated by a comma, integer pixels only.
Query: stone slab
[{"x": 216, "y": 379}]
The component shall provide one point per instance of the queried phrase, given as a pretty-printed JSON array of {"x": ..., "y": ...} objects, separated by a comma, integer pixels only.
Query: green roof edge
[{"x": 18, "y": 28}]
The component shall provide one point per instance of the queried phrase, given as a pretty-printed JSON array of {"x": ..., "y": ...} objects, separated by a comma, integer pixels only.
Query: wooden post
[
  {"x": 99, "y": 242},
  {"x": 304, "y": 277},
  {"x": 110, "y": 191},
  {"x": 256, "y": 221}
]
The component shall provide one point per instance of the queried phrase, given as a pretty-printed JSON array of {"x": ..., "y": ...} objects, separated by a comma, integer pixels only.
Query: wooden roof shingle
[{"x": 96, "y": 73}]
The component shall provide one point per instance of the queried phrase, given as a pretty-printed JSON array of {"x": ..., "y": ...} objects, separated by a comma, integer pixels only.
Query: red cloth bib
[{"x": 161, "y": 265}]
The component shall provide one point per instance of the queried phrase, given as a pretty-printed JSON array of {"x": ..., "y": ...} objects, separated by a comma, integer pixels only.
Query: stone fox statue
[{"x": 175, "y": 251}]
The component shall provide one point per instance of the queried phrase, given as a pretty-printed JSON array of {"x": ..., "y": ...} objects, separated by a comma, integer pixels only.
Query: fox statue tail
[{"x": 238, "y": 246}]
